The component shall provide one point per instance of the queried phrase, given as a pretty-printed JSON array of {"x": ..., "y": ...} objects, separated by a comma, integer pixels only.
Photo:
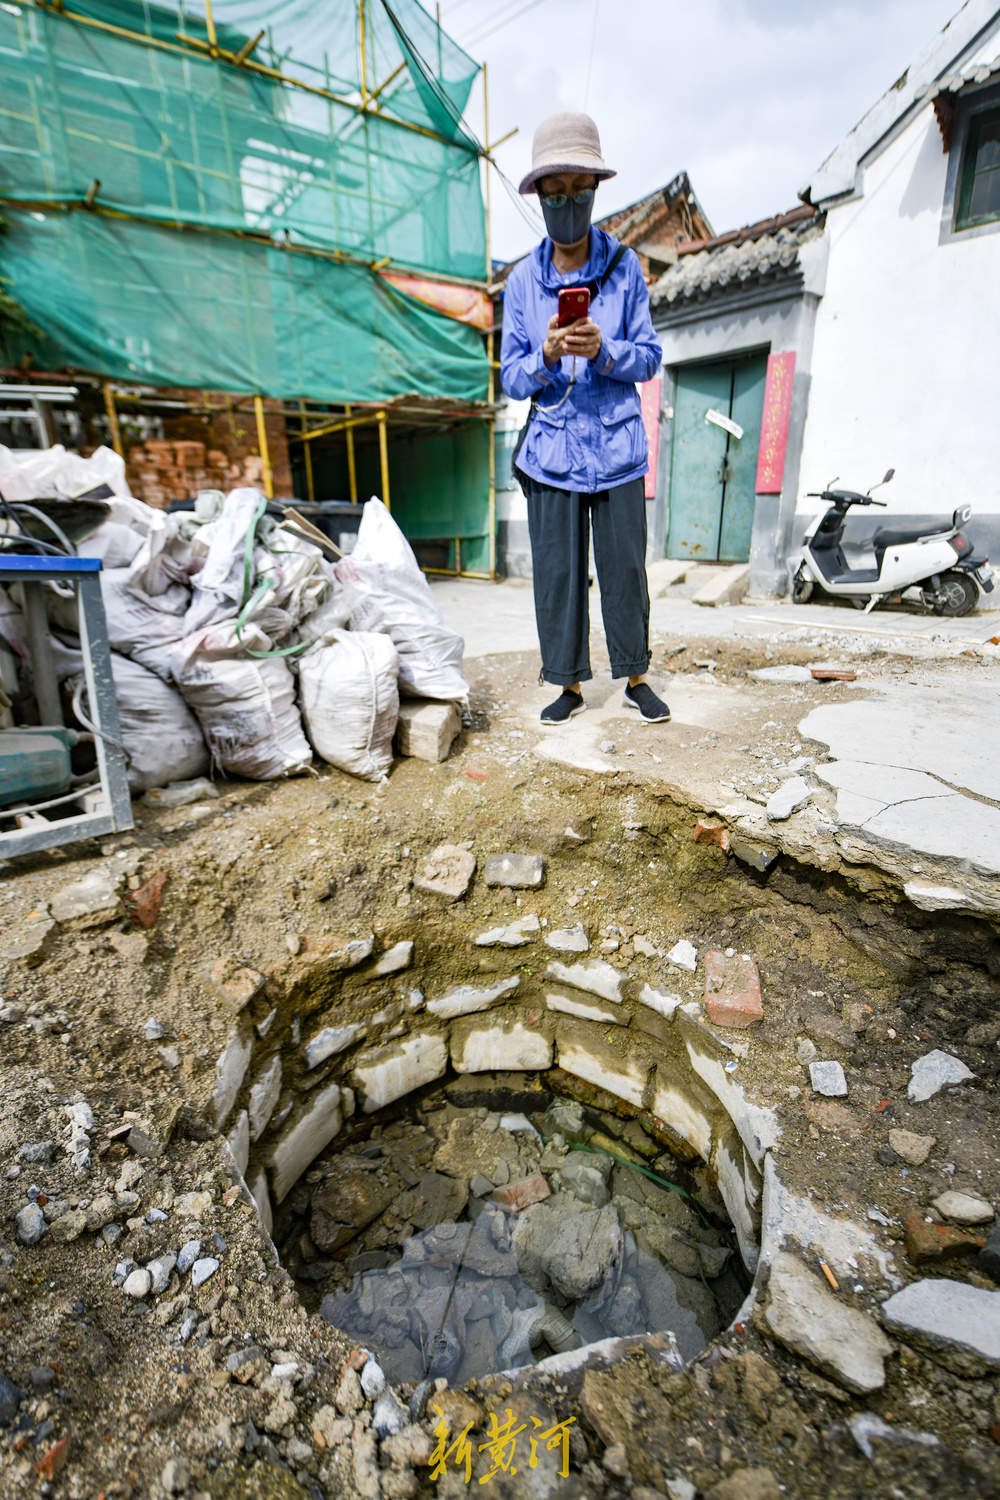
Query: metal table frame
[{"x": 109, "y": 809}]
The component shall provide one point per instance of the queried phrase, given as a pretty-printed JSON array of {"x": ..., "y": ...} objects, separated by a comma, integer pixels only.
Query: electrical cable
[
  {"x": 491, "y": 30},
  {"x": 33, "y": 807},
  {"x": 78, "y": 692}
]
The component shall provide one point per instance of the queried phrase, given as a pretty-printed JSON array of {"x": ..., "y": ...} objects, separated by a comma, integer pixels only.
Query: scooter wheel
[
  {"x": 860, "y": 601},
  {"x": 802, "y": 588},
  {"x": 958, "y": 594}
]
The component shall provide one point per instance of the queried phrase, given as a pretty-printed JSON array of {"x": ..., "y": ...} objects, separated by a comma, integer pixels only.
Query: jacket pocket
[
  {"x": 624, "y": 448},
  {"x": 547, "y": 444}
]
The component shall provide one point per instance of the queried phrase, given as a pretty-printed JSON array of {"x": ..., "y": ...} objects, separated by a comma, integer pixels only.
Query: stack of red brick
[{"x": 160, "y": 471}]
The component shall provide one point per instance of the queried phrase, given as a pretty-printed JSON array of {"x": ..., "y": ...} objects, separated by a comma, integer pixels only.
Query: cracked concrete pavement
[{"x": 902, "y": 773}]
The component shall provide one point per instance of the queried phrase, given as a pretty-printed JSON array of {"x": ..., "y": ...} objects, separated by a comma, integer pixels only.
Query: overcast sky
[{"x": 749, "y": 96}]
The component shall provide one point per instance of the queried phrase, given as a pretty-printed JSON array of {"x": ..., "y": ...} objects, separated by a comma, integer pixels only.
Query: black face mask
[{"x": 568, "y": 223}]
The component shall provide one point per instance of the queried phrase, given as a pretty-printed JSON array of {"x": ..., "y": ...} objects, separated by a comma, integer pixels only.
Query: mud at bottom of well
[{"x": 454, "y": 1241}]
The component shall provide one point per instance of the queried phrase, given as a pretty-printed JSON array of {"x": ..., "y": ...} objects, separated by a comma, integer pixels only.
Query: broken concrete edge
[{"x": 758, "y": 842}]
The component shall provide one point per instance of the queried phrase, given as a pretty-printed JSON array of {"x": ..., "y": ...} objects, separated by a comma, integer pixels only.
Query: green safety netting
[{"x": 192, "y": 154}]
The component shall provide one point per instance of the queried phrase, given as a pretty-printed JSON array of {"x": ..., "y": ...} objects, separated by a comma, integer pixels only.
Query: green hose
[{"x": 653, "y": 1176}]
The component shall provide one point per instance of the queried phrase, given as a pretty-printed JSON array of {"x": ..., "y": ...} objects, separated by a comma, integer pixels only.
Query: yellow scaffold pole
[{"x": 262, "y": 449}]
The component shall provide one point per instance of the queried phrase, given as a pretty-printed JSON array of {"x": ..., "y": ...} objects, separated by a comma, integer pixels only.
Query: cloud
[{"x": 749, "y": 96}]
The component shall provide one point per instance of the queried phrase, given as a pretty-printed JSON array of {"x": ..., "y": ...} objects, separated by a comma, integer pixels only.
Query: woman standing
[{"x": 583, "y": 455}]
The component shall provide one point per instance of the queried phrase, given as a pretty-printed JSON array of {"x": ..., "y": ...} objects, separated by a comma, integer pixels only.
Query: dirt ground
[{"x": 116, "y": 1402}]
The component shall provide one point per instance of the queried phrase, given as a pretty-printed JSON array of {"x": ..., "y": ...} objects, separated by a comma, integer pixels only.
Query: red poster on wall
[
  {"x": 649, "y": 395},
  {"x": 774, "y": 423}
]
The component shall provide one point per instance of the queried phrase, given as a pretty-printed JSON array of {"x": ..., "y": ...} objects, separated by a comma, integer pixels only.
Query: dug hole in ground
[{"x": 267, "y": 988}]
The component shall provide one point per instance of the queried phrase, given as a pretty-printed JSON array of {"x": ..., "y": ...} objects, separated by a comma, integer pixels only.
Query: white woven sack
[
  {"x": 386, "y": 591},
  {"x": 245, "y": 705},
  {"x": 350, "y": 701},
  {"x": 158, "y": 730}
]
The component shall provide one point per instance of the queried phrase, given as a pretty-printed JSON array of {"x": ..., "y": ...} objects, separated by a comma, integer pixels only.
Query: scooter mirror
[{"x": 889, "y": 473}]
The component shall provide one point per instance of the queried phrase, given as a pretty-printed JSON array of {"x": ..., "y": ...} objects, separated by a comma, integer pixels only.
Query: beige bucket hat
[{"x": 565, "y": 142}]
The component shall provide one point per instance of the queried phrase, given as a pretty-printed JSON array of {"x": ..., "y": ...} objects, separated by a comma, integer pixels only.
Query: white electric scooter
[{"x": 936, "y": 559}]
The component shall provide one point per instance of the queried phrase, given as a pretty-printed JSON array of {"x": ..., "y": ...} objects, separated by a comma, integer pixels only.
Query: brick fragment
[
  {"x": 518, "y": 1195},
  {"x": 732, "y": 990},
  {"x": 926, "y": 1241},
  {"x": 711, "y": 833}
]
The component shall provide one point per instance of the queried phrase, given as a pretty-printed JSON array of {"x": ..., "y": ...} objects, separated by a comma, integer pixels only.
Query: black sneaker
[
  {"x": 652, "y": 709},
  {"x": 566, "y": 705}
]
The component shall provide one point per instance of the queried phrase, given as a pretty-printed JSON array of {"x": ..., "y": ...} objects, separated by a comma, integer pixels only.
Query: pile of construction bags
[{"x": 237, "y": 646}]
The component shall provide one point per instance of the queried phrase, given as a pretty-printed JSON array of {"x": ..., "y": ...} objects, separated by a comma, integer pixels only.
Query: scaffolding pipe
[
  {"x": 383, "y": 456},
  {"x": 210, "y": 25},
  {"x": 352, "y": 470},
  {"x": 186, "y": 43},
  {"x": 307, "y": 454},
  {"x": 109, "y": 407},
  {"x": 364, "y": 62},
  {"x": 262, "y": 449}
]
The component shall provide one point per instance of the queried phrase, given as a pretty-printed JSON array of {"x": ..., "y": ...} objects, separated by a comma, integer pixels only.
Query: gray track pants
[{"x": 560, "y": 545}]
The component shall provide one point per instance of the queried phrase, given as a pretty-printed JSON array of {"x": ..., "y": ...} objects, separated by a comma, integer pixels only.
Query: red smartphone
[{"x": 574, "y": 302}]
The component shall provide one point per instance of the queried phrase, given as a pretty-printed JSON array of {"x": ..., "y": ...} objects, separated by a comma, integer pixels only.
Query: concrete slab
[
  {"x": 728, "y": 588},
  {"x": 952, "y": 828},
  {"x": 949, "y": 734},
  {"x": 880, "y": 783},
  {"x": 664, "y": 573}
]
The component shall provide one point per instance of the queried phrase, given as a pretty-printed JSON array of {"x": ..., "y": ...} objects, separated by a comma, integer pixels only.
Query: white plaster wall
[{"x": 906, "y": 359}]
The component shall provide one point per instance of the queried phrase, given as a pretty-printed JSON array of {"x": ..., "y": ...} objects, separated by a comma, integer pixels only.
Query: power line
[
  {"x": 491, "y": 30},
  {"x": 590, "y": 59}
]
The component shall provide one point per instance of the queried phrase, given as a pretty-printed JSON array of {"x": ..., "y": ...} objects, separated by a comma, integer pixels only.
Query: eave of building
[{"x": 949, "y": 51}]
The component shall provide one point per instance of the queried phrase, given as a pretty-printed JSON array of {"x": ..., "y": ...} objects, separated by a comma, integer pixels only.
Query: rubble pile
[{"x": 476, "y": 1239}]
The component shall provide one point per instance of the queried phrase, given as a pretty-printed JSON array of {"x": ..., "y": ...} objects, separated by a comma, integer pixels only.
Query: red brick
[
  {"x": 732, "y": 990},
  {"x": 926, "y": 1241},
  {"x": 711, "y": 833},
  {"x": 145, "y": 903},
  {"x": 518, "y": 1195}
]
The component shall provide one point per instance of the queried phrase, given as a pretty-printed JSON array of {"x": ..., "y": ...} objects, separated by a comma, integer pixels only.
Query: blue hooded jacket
[{"x": 594, "y": 438}]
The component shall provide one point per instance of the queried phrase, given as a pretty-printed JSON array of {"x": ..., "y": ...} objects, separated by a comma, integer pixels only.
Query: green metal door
[{"x": 712, "y": 471}]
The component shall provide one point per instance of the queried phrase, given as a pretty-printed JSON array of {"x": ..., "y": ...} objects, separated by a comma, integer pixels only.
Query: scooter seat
[{"x": 883, "y": 538}]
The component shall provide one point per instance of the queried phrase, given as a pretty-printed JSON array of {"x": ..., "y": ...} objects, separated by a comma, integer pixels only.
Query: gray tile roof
[{"x": 768, "y": 249}]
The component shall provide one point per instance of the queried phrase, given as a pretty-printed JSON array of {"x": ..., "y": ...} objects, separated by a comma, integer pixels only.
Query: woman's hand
[
  {"x": 582, "y": 338},
  {"x": 555, "y": 342}
]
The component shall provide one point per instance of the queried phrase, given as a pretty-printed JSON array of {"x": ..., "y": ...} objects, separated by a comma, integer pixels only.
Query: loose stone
[
  {"x": 513, "y": 936},
  {"x": 11, "y": 1397},
  {"x": 446, "y": 872},
  {"x": 390, "y": 1415},
  {"x": 805, "y": 1316},
  {"x": 911, "y": 1148},
  {"x": 138, "y": 1284},
  {"x": 960, "y": 1322},
  {"x": 793, "y": 794},
  {"x": 189, "y": 1253},
  {"x": 932, "y": 1073},
  {"x": 372, "y": 1379},
  {"x": 328, "y": 1042},
  {"x": 960, "y": 1208},
  {"x": 927, "y": 1241},
  {"x": 202, "y": 1270},
  {"x": 568, "y": 939},
  {"x": 683, "y": 955},
  {"x": 29, "y": 1224},
  {"x": 596, "y": 978},
  {"x": 518, "y": 871},
  {"x": 159, "y": 1271},
  {"x": 827, "y": 1078}
]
